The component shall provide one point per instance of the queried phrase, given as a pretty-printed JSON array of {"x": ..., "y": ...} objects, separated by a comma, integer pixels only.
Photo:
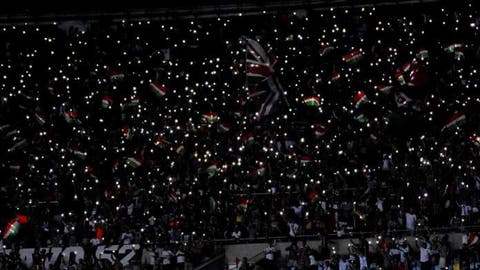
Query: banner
[{"x": 125, "y": 253}]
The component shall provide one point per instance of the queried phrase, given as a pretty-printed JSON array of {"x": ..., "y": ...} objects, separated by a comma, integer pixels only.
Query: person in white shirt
[
  {"x": 343, "y": 264},
  {"x": 363, "y": 262},
  {"x": 425, "y": 253},
  {"x": 410, "y": 220},
  {"x": 166, "y": 259},
  {"x": 269, "y": 252},
  {"x": 180, "y": 259}
]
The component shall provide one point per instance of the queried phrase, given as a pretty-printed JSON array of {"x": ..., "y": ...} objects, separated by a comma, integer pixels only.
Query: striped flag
[
  {"x": 361, "y": 118},
  {"x": 107, "y": 101},
  {"x": 422, "y": 54},
  {"x": 400, "y": 78},
  {"x": 223, "y": 127},
  {"x": 407, "y": 66},
  {"x": 70, "y": 116},
  {"x": 312, "y": 101},
  {"x": 40, "y": 118},
  {"x": 475, "y": 139},
  {"x": 243, "y": 203},
  {"x": 127, "y": 132},
  {"x": 325, "y": 49},
  {"x": 74, "y": 150},
  {"x": 158, "y": 89},
  {"x": 455, "y": 120},
  {"x": 320, "y": 130},
  {"x": 13, "y": 226},
  {"x": 304, "y": 160},
  {"x": 352, "y": 57},
  {"x": 453, "y": 47},
  {"x": 116, "y": 75},
  {"x": 383, "y": 88},
  {"x": 335, "y": 76},
  {"x": 260, "y": 171},
  {"x": 134, "y": 162},
  {"x": 212, "y": 170},
  {"x": 248, "y": 138},
  {"x": 359, "y": 98},
  {"x": 210, "y": 117}
]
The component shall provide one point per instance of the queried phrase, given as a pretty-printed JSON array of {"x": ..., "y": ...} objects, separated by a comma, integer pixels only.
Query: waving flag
[
  {"x": 13, "y": 226},
  {"x": 352, "y": 57},
  {"x": 259, "y": 66},
  {"x": 312, "y": 101},
  {"x": 158, "y": 89},
  {"x": 455, "y": 120},
  {"x": 359, "y": 98},
  {"x": 106, "y": 101}
]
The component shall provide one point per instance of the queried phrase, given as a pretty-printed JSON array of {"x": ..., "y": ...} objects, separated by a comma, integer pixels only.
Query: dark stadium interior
[{"x": 209, "y": 134}]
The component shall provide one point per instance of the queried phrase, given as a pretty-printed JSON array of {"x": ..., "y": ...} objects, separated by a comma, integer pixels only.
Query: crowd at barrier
[{"x": 158, "y": 132}]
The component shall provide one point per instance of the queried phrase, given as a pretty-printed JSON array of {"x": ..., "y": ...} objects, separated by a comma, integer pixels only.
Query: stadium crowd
[{"x": 156, "y": 133}]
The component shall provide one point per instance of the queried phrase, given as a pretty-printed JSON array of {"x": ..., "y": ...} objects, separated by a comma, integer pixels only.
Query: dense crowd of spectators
[
  {"x": 148, "y": 132},
  {"x": 387, "y": 253}
]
